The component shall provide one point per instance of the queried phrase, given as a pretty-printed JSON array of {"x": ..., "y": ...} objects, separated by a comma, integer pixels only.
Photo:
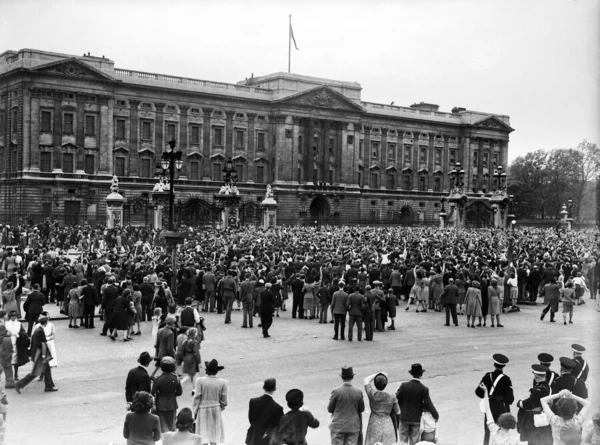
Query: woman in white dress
[
  {"x": 210, "y": 400},
  {"x": 50, "y": 332}
]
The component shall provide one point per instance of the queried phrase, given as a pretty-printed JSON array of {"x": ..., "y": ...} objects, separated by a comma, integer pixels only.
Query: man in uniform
[
  {"x": 582, "y": 369},
  {"x": 546, "y": 360},
  {"x": 500, "y": 392},
  {"x": 531, "y": 406},
  {"x": 567, "y": 380}
]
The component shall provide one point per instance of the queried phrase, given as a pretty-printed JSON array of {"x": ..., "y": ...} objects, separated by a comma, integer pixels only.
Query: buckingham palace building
[{"x": 68, "y": 124}]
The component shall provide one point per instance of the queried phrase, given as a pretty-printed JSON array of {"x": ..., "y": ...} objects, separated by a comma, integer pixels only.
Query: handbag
[{"x": 540, "y": 420}]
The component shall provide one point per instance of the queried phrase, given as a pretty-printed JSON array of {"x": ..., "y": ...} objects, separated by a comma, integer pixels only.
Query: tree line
[{"x": 542, "y": 181}]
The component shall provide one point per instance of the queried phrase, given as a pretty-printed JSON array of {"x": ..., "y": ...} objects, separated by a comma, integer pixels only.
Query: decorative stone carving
[{"x": 71, "y": 70}]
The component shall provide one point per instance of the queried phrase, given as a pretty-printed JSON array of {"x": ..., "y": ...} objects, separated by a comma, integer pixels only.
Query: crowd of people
[{"x": 359, "y": 275}]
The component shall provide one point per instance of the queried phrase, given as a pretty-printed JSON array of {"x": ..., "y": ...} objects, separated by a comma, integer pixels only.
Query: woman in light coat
[
  {"x": 473, "y": 304},
  {"x": 209, "y": 401}
]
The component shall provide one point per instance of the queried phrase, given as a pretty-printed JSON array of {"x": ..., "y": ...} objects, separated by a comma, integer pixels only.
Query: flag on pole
[{"x": 292, "y": 35}]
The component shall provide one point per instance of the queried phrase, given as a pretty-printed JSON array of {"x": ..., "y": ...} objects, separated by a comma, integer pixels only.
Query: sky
[{"x": 534, "y": 60}]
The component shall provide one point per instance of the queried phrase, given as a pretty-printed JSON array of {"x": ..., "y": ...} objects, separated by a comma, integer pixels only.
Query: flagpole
[{"x": 290, "y": 45}]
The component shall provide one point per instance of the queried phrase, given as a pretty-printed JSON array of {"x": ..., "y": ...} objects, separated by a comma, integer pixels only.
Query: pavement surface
[{"x": 89, "y": 407}]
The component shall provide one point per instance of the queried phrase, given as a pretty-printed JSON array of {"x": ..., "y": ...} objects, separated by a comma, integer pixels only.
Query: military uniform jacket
[
  {"x": 527, "y": 409},
  {"x": 502, "y": 397},
  {"x": 570, "y": 382},
  {"x": 582, "y": 369}
]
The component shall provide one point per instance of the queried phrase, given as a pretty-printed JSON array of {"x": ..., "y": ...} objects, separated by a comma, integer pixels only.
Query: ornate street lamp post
[
  {"x": 228, "y": 199},
  {"x": 499, "y": 198},
  {"x": 457, "y": 197},
  {"x": 570, "y": 206},
  {"x": 443, "y": 213}
]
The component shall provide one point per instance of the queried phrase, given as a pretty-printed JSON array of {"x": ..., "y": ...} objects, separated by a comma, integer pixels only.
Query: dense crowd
[{"x": 356, "y": 274}]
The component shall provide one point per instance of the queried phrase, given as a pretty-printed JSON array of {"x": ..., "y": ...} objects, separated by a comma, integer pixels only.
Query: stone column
[
  {"x": 26, "y": 127},
  {"x": 206, "y": 144},
  {"x": 159, "y": 131},
  {"x": 430, "y": 162},
  {"x": 229, "y": 133},
  {"x": 80, "y": 134},
  {"x": 324, "y": 156},
  {"x": 5, "y": 132},
  {"x": 134, "y": 122},
  {"x": 383, "y": 154},
  {"x": 415, "y": 161},
  {"x": 183, "y": 139},
  {"x": 251, "y": 174},
  {"x": 340, "y": 146},
  {"x": 283, "y": 151},
  {"x": 34, "y": 147},
  {"x": 106, "y": 137},
  {"x": 466, "y": 161},
  {"x": 445, "y": 164},
  {"x": 367, "y": 155},
  {"x": 308, "y": 156},
  {"x": 296, "y": 148},
  {"x": 56, "y": 135},
  {"x": 480, "y": 164}
]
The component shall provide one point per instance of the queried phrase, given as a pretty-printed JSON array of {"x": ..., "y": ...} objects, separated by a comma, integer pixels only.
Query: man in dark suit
[
  {"x": 267, "y": 307},
  {"x": 147, "y": 291},
  {"x": 296, "y": 286},
  {"x": 500, "y": 392},
  {"x": 355, "y": 312},
  {"x": 339, "y": 306},
  {"x": 264, "y": 415},
  {"x": 450, "y": 296},
  {"x": 90, "y": 301},
  {"x": 33, "y": 306},
  {"x": 138, "y": 378},
  {"x": 110, "y": 295},
  {"x": 413, "y": 398},
  {"x": 346, "y": 405}
]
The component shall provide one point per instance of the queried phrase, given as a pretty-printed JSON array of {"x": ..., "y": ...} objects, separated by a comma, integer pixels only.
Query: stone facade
[{"x": 68, "y": 124}]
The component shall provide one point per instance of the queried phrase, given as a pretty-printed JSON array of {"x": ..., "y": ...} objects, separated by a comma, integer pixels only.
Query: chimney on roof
[
  {"x": 457, "y": 110},
  {"x": 425, "y": 106}
]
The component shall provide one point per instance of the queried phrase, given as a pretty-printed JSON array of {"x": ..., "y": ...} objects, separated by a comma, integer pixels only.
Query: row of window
[
  {"x": 67, "y": 163},
  {"x": 68, "y": 123}
]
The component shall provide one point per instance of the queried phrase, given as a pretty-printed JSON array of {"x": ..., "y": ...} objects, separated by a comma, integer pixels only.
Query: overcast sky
[{"x": 536, "y": 61}]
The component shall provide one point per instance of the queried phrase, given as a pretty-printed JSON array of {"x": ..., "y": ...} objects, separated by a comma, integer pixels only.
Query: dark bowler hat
[
  {"x": 416, "y": 369},
  {"x": 539, "y": 369},
  {"x": 545, "y": 358},
  {"x": 270, "y": 385},
  {"x": 213, "y": 365},
  {"x": 578, "y": 348},
  {"x": 500, "y": 359},
  {"x": 144, "y": 358},
  {"x": 294, "y": 397},
  {"x": 567, "y": 363},
  {"x": 347, "y": 372},
  {"x": 13, "y": 313}
]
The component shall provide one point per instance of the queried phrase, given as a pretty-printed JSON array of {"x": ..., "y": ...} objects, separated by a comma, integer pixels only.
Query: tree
[{"x": 586, "y": 159}]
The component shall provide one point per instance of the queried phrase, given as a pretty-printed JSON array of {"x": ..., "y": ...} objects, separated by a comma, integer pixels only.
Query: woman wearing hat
[
  {"x": 384, "y": 407},
  {"x": 494, "y": 304},
  {"x": 183, "y": 435},
  {"x": 473, "y": 304},
  {"x": 166, "y": 388},
  {"x": 209, "y": 401}
]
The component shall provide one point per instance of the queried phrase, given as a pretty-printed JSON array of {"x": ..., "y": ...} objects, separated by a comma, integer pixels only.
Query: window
[
  {"x": 422, "y": 183},
  {"x": 360, "y": 178},
  {"x": 299, "y": 173},
  {"x": 45, "y": 162},
  {"x": 2, "y": 123},
  {"x": 67, "y": 162},
  {"x": 475, "y": 159},
  {"x": 90, "y": 125},
  {"x": 485, "y": 160},
  {"x": 260, "y": 141},
  {"x": 217, "y": 172},
  {"x": 218, "y": 114},
  {"x": 120, "y": 133},
  {"x": 374, "y": 180},
  {"x": 496, "y": 156},
  {"x": 373, "y": 203},
  {"x": 15, "y": 117},
  {"x": 146, "y": 130},
  {"x": 407, "y": 150},
  {"x": 260, "y": 173},
  {"x": 407, "y": 182},
  {"x": 390, "y": 203},
  {"x": 194, "y": 170},
  {"x": 88, "y": 168},
  {"x": 437, "y": 184},
  {"x": 195, "y": 135},
  {"x": 239, "y": 115},
  {"x": 315, "y": 175},
  {"x": 239, "y": 139},
  {"x": 360, "y": 148},
  {"x": 300, "y": 143},
  {"x": 474, "y": 183},
  {"x": 452, "y": 157},
  {"x": 375, "y": 149},
  {"x": 391, "y": 152},
  {"x": 331, "y": 145},
  {"x": 146, "y": 105},
  {"x": 438, "y": 156},
  {"x": 68, "y": 123},
  {"x": 46, "y": 124},
  {"x": 171, "y": 108},
  {"x": 422, "y": 155},
  {"x": 121, "y": 103},
  {"x": 46, "y": 209},
  {"x": 350, "y": 139},
  {"x": 240, "y": 172},
  {"x": 145, "y": 171},
  {"x": 391, "y": 181},
  {"x": 217, "y": 136},
  {"x": 330, "y": 177},
  {"x": 195, "y": 110},
  {"x": 171, "y": 132},
  {"x": 120, "y": 166}
]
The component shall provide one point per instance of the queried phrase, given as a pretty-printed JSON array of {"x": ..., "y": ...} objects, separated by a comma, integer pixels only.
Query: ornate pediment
[
  {"x": 69, "y": 146},
  {"x": 74, "y": 68},
  {"x": 492, "y": 122},
  {"x": 322, "y": 97}
]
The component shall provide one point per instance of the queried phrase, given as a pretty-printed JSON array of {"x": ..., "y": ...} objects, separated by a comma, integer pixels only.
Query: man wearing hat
[
  {"x": 582, "y": 369},
  {"x": 546, "y": 360},
  {"x": 264, "y": 414},
  {"x": 294, "y": 425},
  {"x": 567, "y": 380},
  {"x": 40, "y": 357},
  {"x": 500, "y": 392},
  {"x": 165, "y": 341},
  {"x": 339, "y": 306},
  {"x": 346, "y": 405},
  {"x": 532, "y": 406},
  {"x": 166, "y": 389},
  {"x": 109, "y": 296},
  {"x": 413, "y": 399},
  {"x": 33, "y": 306},
  {"x": 138, "y": 378}
]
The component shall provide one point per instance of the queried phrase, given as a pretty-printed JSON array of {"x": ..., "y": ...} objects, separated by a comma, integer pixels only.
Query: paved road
[{"x": 89, "y": 408}]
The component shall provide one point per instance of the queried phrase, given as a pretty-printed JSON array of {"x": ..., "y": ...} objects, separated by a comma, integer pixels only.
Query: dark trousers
[
  {"x": 266, "y": 319},
  {"x": 298, "y": 305},
  {"x": 451, "y": 309},
  {"x": 88, "y": 315},
  {"x": 339, "y": 322},
  {"x": 219, "y": 299},
  {"x": 369, "y": 326},
  {"x": 107, "y": 316},
  {"x": 247, "y": 311},
  {"x": 32, "y": 318},
  {"x": 47, "y": 373},
  {"x": 146, "y": 310},
  {"x": 351, "y": 321},
  {"x": 545, "y": 311},
  {"x": 229, "y": 307},
  {"x": 49, "y": 294}
]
